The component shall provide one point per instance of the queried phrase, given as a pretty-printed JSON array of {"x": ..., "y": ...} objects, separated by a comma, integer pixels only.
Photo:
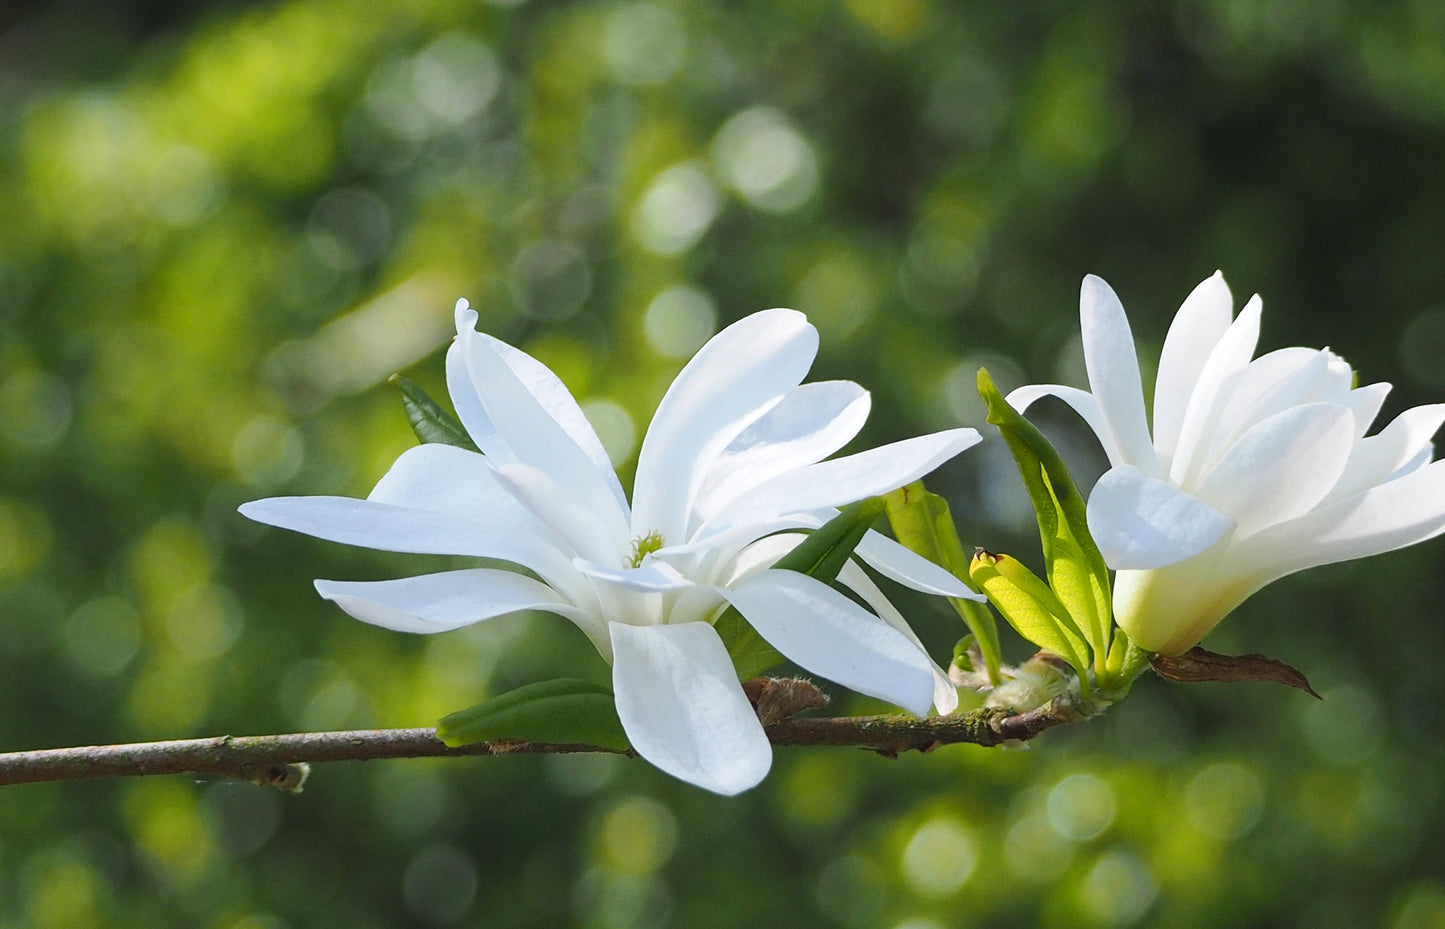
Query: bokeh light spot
[
  {"x": 103, "y": 635},
  {"x": 636, "y": 836},
  {"x": 940, "y": 857},
  {"x": 1081, "y": 807},
  {"x": 679, "y": 320},
  {"x": 1119, "y": 889},
  {"x": 1225, "y": 800},
  {"x": 766, "y": 160},
  {"x": 35, "y": 409},
  {"x": 676, "y": 209},
  {"x": 550, "y": 280},
  {"x": 644, "y": 43}
]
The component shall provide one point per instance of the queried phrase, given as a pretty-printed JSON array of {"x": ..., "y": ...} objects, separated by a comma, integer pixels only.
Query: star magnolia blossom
[
  {"x": 1256, "y": 468},
  {"x": 733, "y": 459}
]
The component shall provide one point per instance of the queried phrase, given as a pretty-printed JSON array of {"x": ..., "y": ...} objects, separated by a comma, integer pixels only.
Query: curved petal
[
  {"x": 810, "y": 423},
  {"x": 653, "y": 577},
  {"x": 945, "y": 692},
  {"x": 441, "y": 602},
  {"x": 1139, "y": 522},
  {"x": 1365, "y": 402},
  {"x": 843, "y": 480},
  {"x": 446, "y": 479},
  {"x": 463, "y": 391},
  {"x": 1282, "y": 467},
  {"x": 1272, "y": 383},
  {"x": 1395, "y": 514},
  {"x": 1377, "y": 458},
  {"x": 823, "y": 631},
  {"x": 1205, "y": 404},
  {"x": 905, "y": 566},
  {"x": 1083, "y": 403},
  {"x": 557, "y": 507},
  {"x": 1201, "y": 322},
  {"x": 682, "y": 707},
  {"x": 1113, "y": 366},
  {"x": 535, "y": 438},
  {"x": 736, "y": 377}
]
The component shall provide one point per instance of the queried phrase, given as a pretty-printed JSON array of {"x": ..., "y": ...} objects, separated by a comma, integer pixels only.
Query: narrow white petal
[
  {"x": 843, "y": 480},
  {"x": 653, "y": 577},
  {"x": 1282, "y": 467},
  {"x": 1083, "y": 403},
  {"x": 463, "y": 390},
  {"x": 536, "y": 439},
  {"x": 905, "y": 566},
  {"x": 1113, "y": 366},
  {"x": 810, "y": 423},
  {"x": 1201, "y": 322},
  {"x": 733, "y": 380},
  {"x": 445, "y": 479},
  {"x": 945, "y": 692},
  {"x": 1377, "y": 458},
  {"x": 683, "y": 709},
  {"x": 1365, "y": 403},
  {"x": 1393, "y": 515},
  {"x": 1210, "y": 392},
  {"x": 557, "y": 400},
  {"x": 440, "y": 602},
  {"x": 1140, "y": 522},
  {"x": 823, "y": 631},
  {"x": 557, "y": 506},
  {"x": 1269, "y": 385}
]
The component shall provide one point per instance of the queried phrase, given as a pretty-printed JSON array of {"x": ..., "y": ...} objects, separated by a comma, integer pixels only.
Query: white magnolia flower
[
  {"x": 732, "y": 460},
  {"x": 1256, "y": 468}
]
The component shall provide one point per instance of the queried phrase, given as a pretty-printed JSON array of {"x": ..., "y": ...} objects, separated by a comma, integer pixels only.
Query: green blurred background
[{"x": 223, "y": 225}]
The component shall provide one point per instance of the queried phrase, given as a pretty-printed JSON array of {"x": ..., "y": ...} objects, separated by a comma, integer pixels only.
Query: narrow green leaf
[
  {"x": 921, "y": 521},
  {"x": 1031, "y": 608},
  {"x": 559, "y": 712},
  {"x": 1075, "y": 567},
  {"x": 821, "y": 555},
  {"x": 429, "y": 421}
]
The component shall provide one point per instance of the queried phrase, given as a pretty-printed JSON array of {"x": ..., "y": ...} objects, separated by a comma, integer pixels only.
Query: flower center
[{"x": 642, "y": 546}]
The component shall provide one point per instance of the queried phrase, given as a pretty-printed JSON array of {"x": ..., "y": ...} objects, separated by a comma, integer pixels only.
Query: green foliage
[
  {"x": 562, "y": 711},
  {"x": 1077, "y": 573},
  {"x": 428, "y": 420},
  {"x": 1031, "y": 607},
  {"x": 922, "y": 521},
  {"x": 821, "y": 555}
]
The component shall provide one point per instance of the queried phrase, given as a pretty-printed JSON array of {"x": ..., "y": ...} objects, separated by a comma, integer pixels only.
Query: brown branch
[{"x": 282, "y": 760}]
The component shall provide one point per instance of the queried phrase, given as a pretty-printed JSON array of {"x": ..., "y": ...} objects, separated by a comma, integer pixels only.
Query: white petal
[
  {"x": 1113, "y": 367},
  {"x": 1377, "y": 458},
  {"x": 536, "y": 439},
  {"x": 1282, "y": 467},
  {"x": 1393, "y": 515},
  {"x": 1365, "y": 403},
  {"x": 653, "y": 577},
  {"x": 823, "y": 631},
  {"x": 945, "y": 692},
  {"x": 1201, "y": 322},
  {"x": 440, "y": 602},
  {"x": 1205, "y": 404},
  {"x": 1271, "y": 384},
  {"x": 446, "y": 479},
  {"x": 810, "y": 423},
  {"x": 905, "y": 566},
  {"x": 463, "y": 391},
  {"x": 1083, "y": 403},
  {"x": 557, "y": 506},
  {"x": 1140, "y": 522},
  {"x": 736, "y": 377},
  {"x": 843, "y": 480},
  {"x": 683, "y": 709}
]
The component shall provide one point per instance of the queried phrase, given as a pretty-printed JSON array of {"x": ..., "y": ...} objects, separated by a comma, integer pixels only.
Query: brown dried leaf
[
  {"x": 1199, "y": 665},
  {"x": 777, "y": 698}
]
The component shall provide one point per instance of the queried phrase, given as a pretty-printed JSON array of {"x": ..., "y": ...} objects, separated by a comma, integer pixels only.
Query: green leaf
[
  {"x": 821, "y": 555},
  {"x": 1031, "y": 607},
  {"x": 429, "y": 421},
  {"x": 1076, "y": 569},
  {"x": 558, "y": 712},
  {"x": 921, "y": 521}
]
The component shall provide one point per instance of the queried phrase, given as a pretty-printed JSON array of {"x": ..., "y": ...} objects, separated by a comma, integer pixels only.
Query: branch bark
[{"x": 283, "y": 761}]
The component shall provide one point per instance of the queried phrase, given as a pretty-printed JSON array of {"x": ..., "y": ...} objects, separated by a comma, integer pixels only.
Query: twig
[{"x": 282, "y": 760}]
